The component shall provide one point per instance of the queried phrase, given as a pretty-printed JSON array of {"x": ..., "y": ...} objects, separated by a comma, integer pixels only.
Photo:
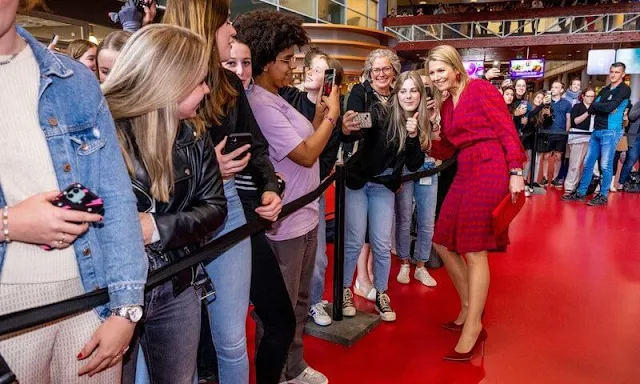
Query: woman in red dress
[{"x": 476, "y": 121}]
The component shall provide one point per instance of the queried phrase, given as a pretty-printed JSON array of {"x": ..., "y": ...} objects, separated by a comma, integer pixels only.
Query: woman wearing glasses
[
  {"x": 380, "y": 70},
  {"x": 295, "y": 144}
]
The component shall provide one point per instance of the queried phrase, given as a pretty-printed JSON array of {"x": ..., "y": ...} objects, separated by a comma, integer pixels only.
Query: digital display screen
[
  {"x": 631, "y": 58},
  {"x": 526, "y": 69},
  {"x": 475, "y": 68},
  {"x": 600, "y": 61}
]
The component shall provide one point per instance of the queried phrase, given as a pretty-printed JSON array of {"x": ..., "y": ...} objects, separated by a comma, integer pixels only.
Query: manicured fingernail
[{"x": 79, "y": 355}]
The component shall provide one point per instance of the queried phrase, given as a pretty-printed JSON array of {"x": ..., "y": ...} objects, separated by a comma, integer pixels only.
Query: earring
[{"x": 458, "y": 76}]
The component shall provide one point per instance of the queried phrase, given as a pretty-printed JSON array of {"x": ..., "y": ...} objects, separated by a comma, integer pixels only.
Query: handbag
[
  {"x": 623, "y": 144},
  {"x": 505, "y": 212}
]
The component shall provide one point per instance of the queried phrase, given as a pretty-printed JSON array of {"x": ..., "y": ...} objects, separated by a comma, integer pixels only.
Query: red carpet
[{"x": 563, "y": 307}]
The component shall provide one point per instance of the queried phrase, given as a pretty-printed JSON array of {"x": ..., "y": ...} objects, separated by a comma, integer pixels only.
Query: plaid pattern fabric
[
  {"x": 481, "y": 115},
  {"x": 483, "y": 131}
]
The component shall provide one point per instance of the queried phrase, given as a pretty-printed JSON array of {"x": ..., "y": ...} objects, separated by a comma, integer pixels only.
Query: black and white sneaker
[
  {"x": 598, "y": 200},
  {"x": 348, "y": 309},
  {"x": 544, "y": 182},
  {"x": 383, "y": 306},
  {"x": 557, "y": 183},
  {"x": 574, "y": 196}
]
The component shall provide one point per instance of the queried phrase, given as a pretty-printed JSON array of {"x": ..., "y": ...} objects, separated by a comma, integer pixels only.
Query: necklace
[
  {"x": 10, "y": 59},
  {"x": 7, "y": 61}
]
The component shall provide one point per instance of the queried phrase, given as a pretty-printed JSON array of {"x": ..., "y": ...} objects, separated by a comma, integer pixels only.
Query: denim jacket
[{"x": 84, "y": 148}]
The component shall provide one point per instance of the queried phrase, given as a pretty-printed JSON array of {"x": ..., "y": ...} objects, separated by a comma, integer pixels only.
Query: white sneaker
[
  {"x": 319, "y": 314},
  {"x": 403, "y": 275},
  {"x": 423, "y": 276},
  {"x": 310, "y": 376},
  {"x": 348, "y": 309}
]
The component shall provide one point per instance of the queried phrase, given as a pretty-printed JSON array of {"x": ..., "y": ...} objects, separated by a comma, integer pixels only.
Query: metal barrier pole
[{"x": 338, "y": 245}]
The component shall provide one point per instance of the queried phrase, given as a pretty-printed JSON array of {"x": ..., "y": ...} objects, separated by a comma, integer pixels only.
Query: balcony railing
[{"x": 504, "y": 25}]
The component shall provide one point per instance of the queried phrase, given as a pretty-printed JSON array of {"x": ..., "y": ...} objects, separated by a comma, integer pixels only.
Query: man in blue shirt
[
  {"x": 608, "y": 110},
  {"x": 561, "y": 109}
]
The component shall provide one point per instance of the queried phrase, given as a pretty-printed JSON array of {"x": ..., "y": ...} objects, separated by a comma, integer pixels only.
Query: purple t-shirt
[{"x": 285, "y": 128}]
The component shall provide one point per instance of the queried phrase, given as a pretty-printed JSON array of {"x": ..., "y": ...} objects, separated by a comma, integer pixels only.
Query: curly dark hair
[{"x": 267, "y": 33}]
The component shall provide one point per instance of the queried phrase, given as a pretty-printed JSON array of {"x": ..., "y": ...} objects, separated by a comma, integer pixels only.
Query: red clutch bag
[{"x": 505, "y": 212}]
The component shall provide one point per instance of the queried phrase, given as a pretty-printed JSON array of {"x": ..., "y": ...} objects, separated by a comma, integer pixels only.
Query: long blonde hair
[
  {"x": 204, "y": 17},
  {"x": 158, "y": 67},
  {"x": 450, "y": 56},
  {"x": 397, "y": 132}
]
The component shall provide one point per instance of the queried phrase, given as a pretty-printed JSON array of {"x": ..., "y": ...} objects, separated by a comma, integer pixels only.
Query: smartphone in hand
[
  {"x": 329, "y": 81},
  {"x": 364, "y": 120},
  {"x": 79, "y": 198},
  {"x": 429, "y": 92},
  {"x": 237, "y": 140}
]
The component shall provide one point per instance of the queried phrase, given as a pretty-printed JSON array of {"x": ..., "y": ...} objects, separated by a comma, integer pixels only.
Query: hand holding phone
[
  {"x": 364, "y": 120},
  {"x": 329, "y": 81},
  {"x": 236, "y": 141},
  {"x": 428, "y": 92}
]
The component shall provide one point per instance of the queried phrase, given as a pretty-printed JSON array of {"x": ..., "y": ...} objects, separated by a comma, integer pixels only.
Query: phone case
[
  {"x": 78, "y": 198},
  {"x": 364, "y": 119}
]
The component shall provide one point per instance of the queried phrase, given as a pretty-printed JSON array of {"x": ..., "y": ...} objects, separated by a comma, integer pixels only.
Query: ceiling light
[
  {"x": 549, "y": 52},
  {"x": 569, "y": 55},
  {"x": 93, "y": 39},
  {"x": 578, "y": 51}
]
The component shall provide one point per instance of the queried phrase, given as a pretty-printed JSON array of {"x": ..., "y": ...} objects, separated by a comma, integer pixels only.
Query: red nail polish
[{"x": 79, "y": 355}]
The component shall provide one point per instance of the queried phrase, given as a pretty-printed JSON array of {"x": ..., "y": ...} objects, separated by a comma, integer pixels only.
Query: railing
[{"x": 507, "y": 24}]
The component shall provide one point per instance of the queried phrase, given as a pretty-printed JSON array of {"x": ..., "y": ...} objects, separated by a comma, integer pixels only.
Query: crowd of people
[
  {"x": 597, "y": 149},
  {"x": 142, "y": 125}
]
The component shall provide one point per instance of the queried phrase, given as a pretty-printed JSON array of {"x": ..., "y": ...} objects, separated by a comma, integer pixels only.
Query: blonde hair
[
  {"x": 450, "y": 56},
  {"x": 397, "y": 132},
  {"x": 79, "y": 47},
  {"x": 159, "y": 66},
  {"x": 204, "y": 17}
]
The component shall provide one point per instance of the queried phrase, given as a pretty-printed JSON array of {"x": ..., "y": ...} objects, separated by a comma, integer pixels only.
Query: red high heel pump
[
  {"x": 457, "y": 356},
  {"x": 452, "y": 326}
]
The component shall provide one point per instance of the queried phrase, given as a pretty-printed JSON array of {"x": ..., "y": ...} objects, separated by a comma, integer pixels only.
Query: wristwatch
[
  {"x": 132, "y": 313},
  {"x": 515, "y": 172}
]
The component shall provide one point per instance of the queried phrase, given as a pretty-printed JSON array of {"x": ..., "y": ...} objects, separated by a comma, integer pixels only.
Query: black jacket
[
  {"x": 240, "y": 119},
  {"x": 376, "y": 154},
  {"x": 197, "y": 205}
]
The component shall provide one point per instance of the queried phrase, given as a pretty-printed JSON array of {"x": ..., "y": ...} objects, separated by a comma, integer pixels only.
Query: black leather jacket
[{"x": 197, "y": 205}]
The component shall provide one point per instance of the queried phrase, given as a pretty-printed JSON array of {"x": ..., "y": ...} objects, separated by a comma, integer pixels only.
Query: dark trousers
[
  {"x": 271, "y": 303},
  {"x": 168, "y": 336}
]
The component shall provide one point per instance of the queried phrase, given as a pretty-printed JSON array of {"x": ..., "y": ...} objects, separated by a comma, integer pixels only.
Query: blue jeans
[
  {"x": 168, "y": 335},
  {"x": 425, "y": 192},
  {"x": 601, "y": 145},
  {"x": 321, "y": 262},
  {"x": 632, "y": 156},
  {"x": 374, "y": 202},
  {"x": 231, "y": 276}
]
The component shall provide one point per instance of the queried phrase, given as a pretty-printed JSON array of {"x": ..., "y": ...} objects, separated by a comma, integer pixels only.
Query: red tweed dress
[{"x": 482, "y": 131}]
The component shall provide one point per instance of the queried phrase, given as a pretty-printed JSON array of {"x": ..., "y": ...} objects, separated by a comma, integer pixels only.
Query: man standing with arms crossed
[{"x": 607, "y": 130}]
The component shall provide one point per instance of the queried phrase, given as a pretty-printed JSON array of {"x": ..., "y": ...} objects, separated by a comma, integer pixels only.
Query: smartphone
[
  {"x": 140, "y": 4},
  {"x": 364, "y": 119},
  {"x": 79, "y": 198},
  {"x": 329, "y": 81},
  {"x": 237, "y": 140},
  {"x": 429, "y": 92}
]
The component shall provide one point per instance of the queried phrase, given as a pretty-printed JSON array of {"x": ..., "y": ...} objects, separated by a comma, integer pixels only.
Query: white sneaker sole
[
  {"x": 321, "y": 323},
  {"x": 386, "y": 316},
  {"x": 349, "y": 312}
]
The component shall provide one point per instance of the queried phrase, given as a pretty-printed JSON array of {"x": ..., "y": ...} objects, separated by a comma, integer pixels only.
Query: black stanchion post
[{"x": 338, "y": 246}]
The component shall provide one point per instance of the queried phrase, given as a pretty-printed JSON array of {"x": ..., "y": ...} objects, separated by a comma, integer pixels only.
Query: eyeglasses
[
  {"x": 291, "y": 61},
  {"x": 385, "y": 70}
]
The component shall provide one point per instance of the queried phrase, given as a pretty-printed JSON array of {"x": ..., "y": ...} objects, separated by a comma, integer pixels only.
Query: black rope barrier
[
  {"x": 31, "y": 317},
  {"x": 25, "y": 319}
]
